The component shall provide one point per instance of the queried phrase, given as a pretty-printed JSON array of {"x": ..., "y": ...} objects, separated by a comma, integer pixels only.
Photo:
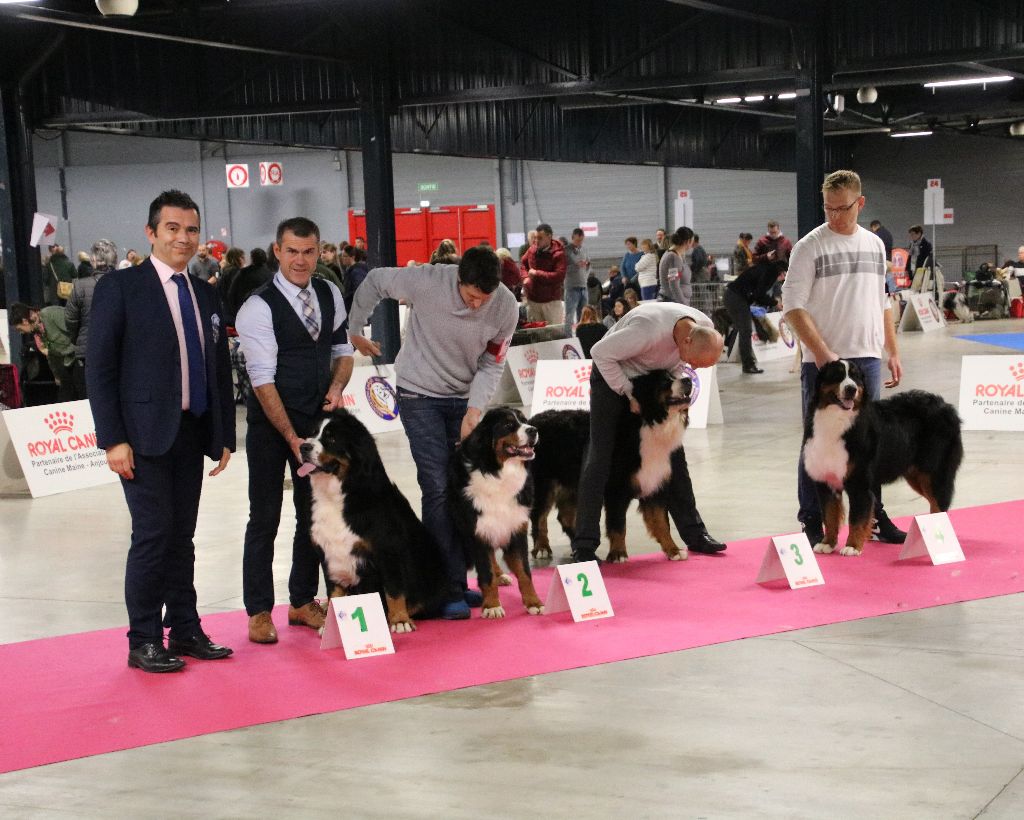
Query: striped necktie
[{"x": 308, "y": 314}]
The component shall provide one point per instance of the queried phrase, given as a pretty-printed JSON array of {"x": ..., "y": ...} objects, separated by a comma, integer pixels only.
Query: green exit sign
[{"x": 423, "y": 187}]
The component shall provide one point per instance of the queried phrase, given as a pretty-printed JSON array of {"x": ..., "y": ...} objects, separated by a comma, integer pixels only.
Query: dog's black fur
[
  {"x": 490, "y": 492},
  {"x": 564, "y": 436},
  {"x": 852, "y": 444},
  {"x": 389, "y": 550}
]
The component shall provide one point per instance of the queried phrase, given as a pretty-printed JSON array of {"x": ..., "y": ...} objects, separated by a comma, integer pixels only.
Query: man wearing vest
[{"x": 293, "y": 332}]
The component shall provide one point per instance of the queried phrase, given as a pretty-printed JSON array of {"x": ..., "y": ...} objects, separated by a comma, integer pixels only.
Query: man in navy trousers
[{"x": 159, "y": 383}]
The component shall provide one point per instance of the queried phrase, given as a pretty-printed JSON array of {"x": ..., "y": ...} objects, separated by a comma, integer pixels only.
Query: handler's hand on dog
[
  {"x": 634, "y": 406},
  {"x": 121, "y": 460},
  {"x": 364, "y": 345},
  {"x": 469, "y": 421}
]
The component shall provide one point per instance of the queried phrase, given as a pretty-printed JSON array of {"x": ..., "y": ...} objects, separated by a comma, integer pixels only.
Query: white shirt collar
[{"x": 163, "y": 270}]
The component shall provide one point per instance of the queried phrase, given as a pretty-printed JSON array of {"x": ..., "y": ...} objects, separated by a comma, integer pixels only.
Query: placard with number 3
[{"x": 791, "y": 557}]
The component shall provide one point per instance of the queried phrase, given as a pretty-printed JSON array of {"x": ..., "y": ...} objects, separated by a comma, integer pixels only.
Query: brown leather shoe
[
  {"x": 261, "y": 628},
  {"x": 312, "y": 615}
]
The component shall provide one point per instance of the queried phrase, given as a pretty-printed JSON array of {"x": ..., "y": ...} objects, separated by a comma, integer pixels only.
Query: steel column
[{"x": 810, "y": 137}]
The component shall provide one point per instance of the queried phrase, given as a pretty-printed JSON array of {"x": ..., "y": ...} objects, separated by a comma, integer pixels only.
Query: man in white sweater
[
  {"x": 652, "y": 336},
  {"x": 834, "y": 298}
]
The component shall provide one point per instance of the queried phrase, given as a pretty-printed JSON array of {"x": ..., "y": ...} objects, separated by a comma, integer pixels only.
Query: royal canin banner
[{"x": 992, "y": 392}]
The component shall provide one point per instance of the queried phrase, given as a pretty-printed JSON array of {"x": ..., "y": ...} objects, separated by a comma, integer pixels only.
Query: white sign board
[
  {"x": 237, "y": 175},
  {"x": 522, "y": 362},
  {"x": 791, "y": 557},
  {"x": 766, "y": 351},
  {"x": 992, "y": 392},
  {"x": 358, "y": 624},
  {"x": 933, "y": 204},
  {"x": 705, "y": 402},
  {"x": 947, "y": 216},
  {"x": 561, "y": 385},
  {"x": 589, "y": 228},
  {"x": 44, "y": 228},
  {"x": 921, "y": 313},
  {"x": 56, "y": 447},
  {"x": 5, "y": 338},
  {"x": 932, "y": 535},
  {"x": 372, "y": 396},
  {"x": 513, "y": 241},
  {"x": 580, "y": 589},
  {"x": 271, "y": 173},
  {"x": 683, "y": 211}
]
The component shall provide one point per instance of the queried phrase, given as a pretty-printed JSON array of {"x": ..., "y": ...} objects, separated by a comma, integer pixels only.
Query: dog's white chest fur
[
  {"x": 499, "y": 514},
  {"x": 331, "y": 533},
  {"x": 657, "y": 444},
  {"x": 825, "y": 456}
]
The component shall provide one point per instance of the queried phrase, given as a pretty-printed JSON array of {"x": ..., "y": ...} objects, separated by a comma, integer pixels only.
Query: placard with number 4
[
  {"x": 580, "y": 589},
  {"x": 791, "y": 557},
  {"x": 359, "y": 625}
]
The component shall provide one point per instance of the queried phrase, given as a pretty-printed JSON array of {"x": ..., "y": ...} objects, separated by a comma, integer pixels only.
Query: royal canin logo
[
  {"x": 60, "y": 421},
  {"x": 1003, "y": 391},
  {"x": 1017, "y": 371},
  {"x": 531, "y": 356},
  {"x": 582, "y": 373}
]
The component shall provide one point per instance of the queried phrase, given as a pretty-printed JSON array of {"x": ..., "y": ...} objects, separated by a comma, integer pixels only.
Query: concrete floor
[{"x": 912, "y": 715}]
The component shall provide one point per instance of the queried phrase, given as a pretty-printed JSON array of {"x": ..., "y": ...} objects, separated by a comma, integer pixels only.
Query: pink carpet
[{"x": 73, "y": 696}]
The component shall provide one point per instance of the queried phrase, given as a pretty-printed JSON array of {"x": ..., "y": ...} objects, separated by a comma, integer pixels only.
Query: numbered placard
[
  {"x": 580, "y": 589},
  {"x": 791, "y": 557},
  {"x": 359, "y": 625},
  {"x": 932, "y": 535}
]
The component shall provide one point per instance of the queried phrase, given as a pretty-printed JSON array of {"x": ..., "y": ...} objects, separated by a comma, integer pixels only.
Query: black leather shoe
[
  {"x": 579, "y": 555},
  {"x": 152, "y": 657},
  {"x": 753, "y": 369},
  {"x": 198, "y": 646},
  {"x": 703, "y": 542}
]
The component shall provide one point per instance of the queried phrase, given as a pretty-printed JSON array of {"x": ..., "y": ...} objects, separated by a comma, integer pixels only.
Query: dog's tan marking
[
  {"x": 492, "y": 607},
  {"x": 656, "y": 520},
  {"x": 617, "y": 553},
  {"x": 502, "y": 578},
  {"x": 531, "y": 600},
  {"x": 860, "y": 531},
  {"x": 541, "y": 542},
  {"x": 398, "y": 614},
  {"x": 832, "y": 519},
  {"x": 922, "y": 484}
]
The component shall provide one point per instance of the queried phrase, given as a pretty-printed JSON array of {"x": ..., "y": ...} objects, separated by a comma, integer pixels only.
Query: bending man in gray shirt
[
  {"x": 448, "y": 369},
  {"x": 652, "y": 336}
]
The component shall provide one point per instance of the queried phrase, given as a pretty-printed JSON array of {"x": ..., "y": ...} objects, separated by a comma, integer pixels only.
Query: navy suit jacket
[{"x": 133, "y": 367}]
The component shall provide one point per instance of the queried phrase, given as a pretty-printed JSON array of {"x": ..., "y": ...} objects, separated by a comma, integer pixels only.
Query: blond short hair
[{"x": 841, "y": 180}]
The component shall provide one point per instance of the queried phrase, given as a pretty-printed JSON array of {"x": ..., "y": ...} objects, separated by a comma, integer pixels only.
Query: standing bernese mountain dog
[
  {"x": 641, "y": 465},
  {"x": 852, "y": 444},
  {"x": 490, "y": 493},
  {"x": 370, "y": 536}
]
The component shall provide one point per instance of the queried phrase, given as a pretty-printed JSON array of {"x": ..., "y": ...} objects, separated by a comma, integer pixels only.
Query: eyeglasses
[{"x": 842, "y": 209}]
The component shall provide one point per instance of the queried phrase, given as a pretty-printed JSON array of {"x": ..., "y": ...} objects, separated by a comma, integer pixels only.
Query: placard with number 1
[{"x": 358, "y": 623}]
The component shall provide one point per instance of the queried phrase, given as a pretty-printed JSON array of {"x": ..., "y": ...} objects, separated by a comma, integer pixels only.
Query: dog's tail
[{"x": 943, "y": 449}]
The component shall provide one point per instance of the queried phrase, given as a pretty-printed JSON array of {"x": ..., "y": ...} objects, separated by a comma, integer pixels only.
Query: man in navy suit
[{"x": 159, "y": 383}]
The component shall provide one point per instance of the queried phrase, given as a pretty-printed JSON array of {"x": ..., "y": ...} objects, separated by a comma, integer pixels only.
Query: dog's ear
[
  {"x": 478, "y": 446},
  {"x": 365, "y": 465}
]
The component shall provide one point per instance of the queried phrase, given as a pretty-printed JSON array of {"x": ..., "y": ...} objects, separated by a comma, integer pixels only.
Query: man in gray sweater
[
  {"x": 653, "y": 336},
  {"x": 576, "y": 271},
  {"x": 457, "y": 335}
]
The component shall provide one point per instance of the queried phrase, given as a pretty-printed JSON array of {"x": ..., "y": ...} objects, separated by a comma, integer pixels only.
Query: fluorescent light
[
  {"x": 789, "y": 95},
  {"x": 727, "y": 100},
  {"x": 754, "y": 98},
  {"x": 1001, "y": 78},
  {"x": 911, "y": 134}
]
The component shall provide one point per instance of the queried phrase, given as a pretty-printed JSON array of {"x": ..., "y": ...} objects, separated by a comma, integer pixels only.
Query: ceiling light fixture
[
  {"x": 1001, "y": 78},
  {"x": 911, "y": 134},
  {"x": 788, "y": 95},
  {"x": 867, "y": 94},
  {"x": 1017, "y": 129},
  {"x": 727, "y": 100},
  {"x": 754, "y": 98}
]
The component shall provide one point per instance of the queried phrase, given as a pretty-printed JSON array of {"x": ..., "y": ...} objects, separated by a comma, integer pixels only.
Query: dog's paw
[
  {"x": 678, "y": 555},
  {"x": 492, "y": 612},
  {"x": 821, "y": 546},
  {"x": 403, "y": 626},
  {"x": 535, "y": 610},
  {"x": 542, "y": 554},
  {"x": 504, "y": 580},
  {"x": 617, "y": 558},
  {"x": 848, "y": 550}
]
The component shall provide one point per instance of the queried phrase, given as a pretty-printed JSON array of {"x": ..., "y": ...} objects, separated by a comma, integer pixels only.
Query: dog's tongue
[{"x": 306, "y": 469}]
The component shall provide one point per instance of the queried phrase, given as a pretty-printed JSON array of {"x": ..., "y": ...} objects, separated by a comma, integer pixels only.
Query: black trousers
[
  {"x": 267, "y": 453},
  {"x": 739, "y": 312},
  {"x": 163, "y": 499},
  {"x": 606, "y": 409},
  {"x": 78, "y": 379}
]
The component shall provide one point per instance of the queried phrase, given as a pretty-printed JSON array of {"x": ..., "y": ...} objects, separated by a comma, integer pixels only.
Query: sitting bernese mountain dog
[
  {"x": 368, "y": 532},
  {"x": 490, "y": 492},
  {"x": 852, "y": 444},
  {"x": 641, "y": 465}
]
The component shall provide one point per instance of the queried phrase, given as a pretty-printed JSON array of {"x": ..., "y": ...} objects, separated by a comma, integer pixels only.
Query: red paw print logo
[
  {"x": 60, "y": 422},
  {"x": 531, "y": 356},
  {"x": 582, "y": 373},
  {"x": 1018, "y": 371}
]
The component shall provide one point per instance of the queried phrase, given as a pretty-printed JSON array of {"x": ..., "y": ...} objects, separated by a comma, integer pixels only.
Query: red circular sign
[
  {"x": 238, "y": 176},
  {"x": 274, "y": 173}
]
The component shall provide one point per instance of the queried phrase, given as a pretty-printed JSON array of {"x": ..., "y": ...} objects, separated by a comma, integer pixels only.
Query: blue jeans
[
  {"x": 432, "y": 426},
  {"x": 575, "y": 299},
  {"x": 807, "y": 495}
]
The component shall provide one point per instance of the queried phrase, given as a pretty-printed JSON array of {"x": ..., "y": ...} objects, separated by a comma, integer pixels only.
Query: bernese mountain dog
[
  {"x": 490, "y": 494},
  {"x": 370, "y": 536},
  {"x": 852, "y": 444},
  {"x": 641, "y": 465}
]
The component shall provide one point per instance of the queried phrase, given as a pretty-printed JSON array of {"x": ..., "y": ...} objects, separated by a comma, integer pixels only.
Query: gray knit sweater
[{"x": 449, "y": 349}]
